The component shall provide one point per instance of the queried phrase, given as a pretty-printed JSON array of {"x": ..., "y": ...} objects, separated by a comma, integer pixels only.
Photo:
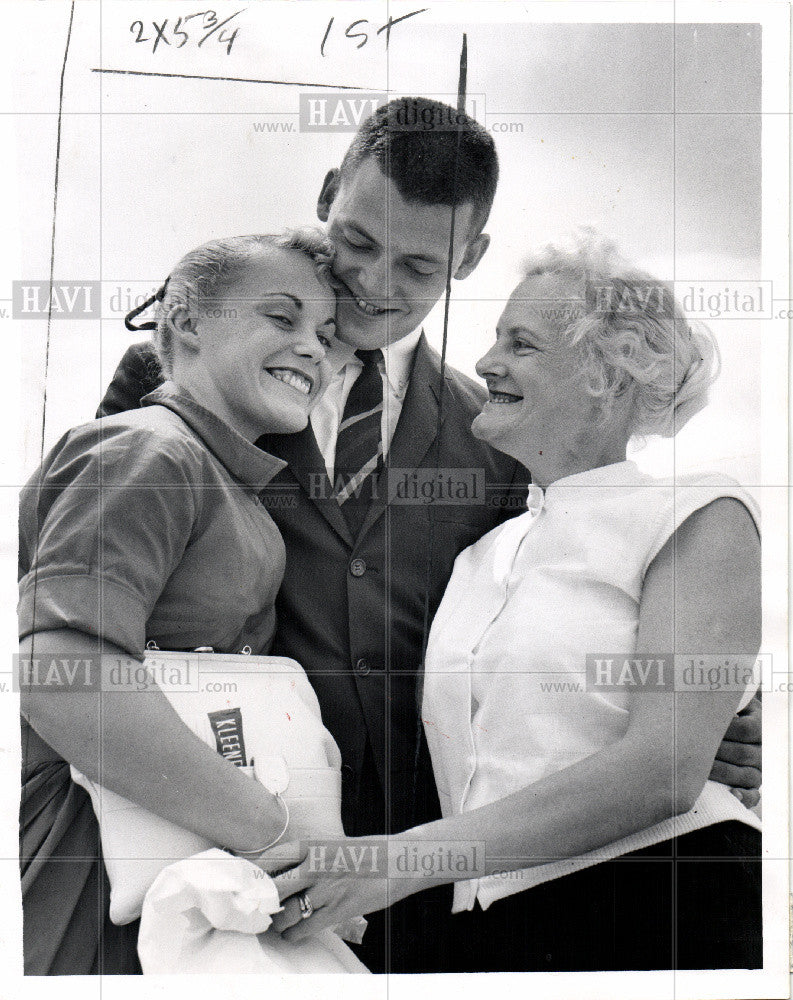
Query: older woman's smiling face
[{"x": 537, "y": 389}]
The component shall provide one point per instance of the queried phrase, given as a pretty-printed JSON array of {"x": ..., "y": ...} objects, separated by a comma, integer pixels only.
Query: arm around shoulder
[{"x": 137, "y": 375}]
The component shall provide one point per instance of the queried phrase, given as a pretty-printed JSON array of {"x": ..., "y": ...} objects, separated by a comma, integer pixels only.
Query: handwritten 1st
[
  {"x": 362, "y": 32},
  {"x": 201, "y": 27}
]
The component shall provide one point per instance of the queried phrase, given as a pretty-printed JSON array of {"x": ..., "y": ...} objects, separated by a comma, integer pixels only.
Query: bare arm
[
  {"x": 147, "y": 753},
  {"x": 701, "y": 595}
]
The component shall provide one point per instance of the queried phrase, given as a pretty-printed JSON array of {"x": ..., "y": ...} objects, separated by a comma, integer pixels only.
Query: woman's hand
[{"x": 342, "y": 879}]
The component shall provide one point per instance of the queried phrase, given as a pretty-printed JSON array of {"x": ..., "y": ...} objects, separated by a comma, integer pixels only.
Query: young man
[{"x": 366, "y": 567}]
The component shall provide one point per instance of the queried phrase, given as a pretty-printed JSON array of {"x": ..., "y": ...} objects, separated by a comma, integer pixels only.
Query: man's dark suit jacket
[{"x": 352, "y": 610}]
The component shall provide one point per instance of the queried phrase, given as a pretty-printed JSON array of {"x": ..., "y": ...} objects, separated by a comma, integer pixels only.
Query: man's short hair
[{"x": 414, "y": 141}]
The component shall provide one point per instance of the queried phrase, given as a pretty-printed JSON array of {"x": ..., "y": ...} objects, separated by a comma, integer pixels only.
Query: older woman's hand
[{"x": 340, "y": 879}]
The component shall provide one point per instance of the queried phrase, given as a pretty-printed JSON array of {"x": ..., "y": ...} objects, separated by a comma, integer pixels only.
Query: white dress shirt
[
  {"x": 326, "y": 415},
  {"x": 506, "y": 699}
]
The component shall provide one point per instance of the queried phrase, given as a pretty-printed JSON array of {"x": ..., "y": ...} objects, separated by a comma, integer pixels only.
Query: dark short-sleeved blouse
[
  {"x": 148, "y": 526},
  {"x": 145, "y": 525}
]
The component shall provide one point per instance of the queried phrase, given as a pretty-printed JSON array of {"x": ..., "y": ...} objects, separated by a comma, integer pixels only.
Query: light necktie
[{"x": 359, "y": 445}]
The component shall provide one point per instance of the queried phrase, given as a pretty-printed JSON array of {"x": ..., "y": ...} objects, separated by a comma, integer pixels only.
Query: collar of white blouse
[
  {"x": 512, "y": 534},
  {"x": 616, "y": 474},
  {"x": 535, "y": 499},
  {"x": 515, "y": 531}
]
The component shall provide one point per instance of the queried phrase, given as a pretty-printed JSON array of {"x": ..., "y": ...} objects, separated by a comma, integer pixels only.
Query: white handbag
[{"x": 262, "y": 714}]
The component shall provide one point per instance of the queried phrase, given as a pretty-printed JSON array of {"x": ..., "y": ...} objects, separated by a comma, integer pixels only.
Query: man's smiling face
[{"x": 391, "y": 255}]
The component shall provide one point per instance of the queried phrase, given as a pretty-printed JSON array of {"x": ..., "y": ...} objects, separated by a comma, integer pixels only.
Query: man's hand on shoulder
[
  {"x": 137, "y": 375},
  {"x": 739, "y": 757}
]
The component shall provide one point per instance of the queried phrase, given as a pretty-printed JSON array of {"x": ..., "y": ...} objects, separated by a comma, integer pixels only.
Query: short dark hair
[{"x": 414, "y": 141}]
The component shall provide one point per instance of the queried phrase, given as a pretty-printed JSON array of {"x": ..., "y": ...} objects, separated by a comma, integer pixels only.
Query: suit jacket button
[
  {"x": 363, "y": 667},
  {"x": 357, "y": 567}
]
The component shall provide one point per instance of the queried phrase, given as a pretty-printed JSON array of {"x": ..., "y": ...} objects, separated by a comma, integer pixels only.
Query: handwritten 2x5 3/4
[{"x": 203, "y": 26}]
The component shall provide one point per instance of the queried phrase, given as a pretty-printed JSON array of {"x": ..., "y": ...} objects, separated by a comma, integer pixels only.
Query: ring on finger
[{"x": 306, "y": 906}]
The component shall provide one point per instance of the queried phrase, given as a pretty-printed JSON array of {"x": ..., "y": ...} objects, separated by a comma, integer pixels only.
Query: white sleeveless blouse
[{"x": 505, "y": 696}]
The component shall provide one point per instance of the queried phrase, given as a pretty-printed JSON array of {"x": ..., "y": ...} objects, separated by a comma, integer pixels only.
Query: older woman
[
  {"x": 571, "y": 758},
  {"x": 147, "y": 527}
]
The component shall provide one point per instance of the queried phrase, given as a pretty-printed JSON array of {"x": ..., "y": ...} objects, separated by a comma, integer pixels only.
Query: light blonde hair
[
  {"x": 631, "y": 335},
  {"x": 203, "y": 274}
]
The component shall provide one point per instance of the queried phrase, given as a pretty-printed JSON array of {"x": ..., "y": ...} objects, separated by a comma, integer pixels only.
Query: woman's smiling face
[
  {"x": 263, "y": 340},
  {"x": 537, "y": 388}
]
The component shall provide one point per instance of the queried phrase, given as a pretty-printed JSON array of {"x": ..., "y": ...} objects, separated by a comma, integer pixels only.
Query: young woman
[
  {"x": 146, "y": 527},
  {"x": 567, "y": 740}
]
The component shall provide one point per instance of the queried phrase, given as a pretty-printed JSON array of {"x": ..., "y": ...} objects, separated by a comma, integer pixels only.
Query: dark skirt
[
  {"x": 694, "y": 902},
  {"x": 65, "y": 892}
]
